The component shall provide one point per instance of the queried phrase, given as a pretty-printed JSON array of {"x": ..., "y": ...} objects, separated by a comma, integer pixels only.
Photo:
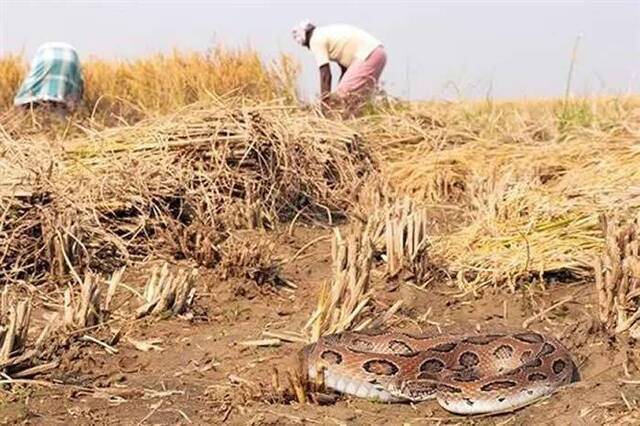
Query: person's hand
[{"x": 326, "y": 103}]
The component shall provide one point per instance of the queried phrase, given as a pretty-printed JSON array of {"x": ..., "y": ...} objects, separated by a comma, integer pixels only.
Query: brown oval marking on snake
[
  {"x": 399, "y": 347},
  {"x": 558, "y": 366},
  {"x": 530, "y": 337},
  {"x": 534, "y": 377},
  {"x": 432, "y": 365},
  {"x": 371, "y": 332},
  {"x": 331, "y": 357},
  {"x": 381, "y": 367},
  {"x": 469, "y": 359},
  {"x": 445, "y": 347},
  {"x": 446, "y": 388},
  {"x": 547, "y": 349},
  {"x": 503, "y": 352},
  {"x": 358, "y": 344},
  {"x": 498, "y": 385},
  {"x": 466, "y": 376},
  {"x": 483, "y": 340}
]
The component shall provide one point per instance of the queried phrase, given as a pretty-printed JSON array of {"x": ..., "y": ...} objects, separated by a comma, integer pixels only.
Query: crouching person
[
  {"x": 54, "y": 80},
  {"x": 361, "y": 58}
]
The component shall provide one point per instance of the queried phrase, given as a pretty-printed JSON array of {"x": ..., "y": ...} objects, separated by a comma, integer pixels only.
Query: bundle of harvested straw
[
  {"x": 401, "y": 233},
  {"x": 15, "y": 319},
  {"x": 345, "y": 302},
  {"x": 342, "y": 300},
  {"x": 167, "y": 292},
  {"x": 112, "y": 195},
  {"x": 19, "y": 357},
  {"x": 617, "y": 273}
]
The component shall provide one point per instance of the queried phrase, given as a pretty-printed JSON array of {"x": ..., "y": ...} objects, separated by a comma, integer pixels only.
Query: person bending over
[{"x": 54, "y": 80}]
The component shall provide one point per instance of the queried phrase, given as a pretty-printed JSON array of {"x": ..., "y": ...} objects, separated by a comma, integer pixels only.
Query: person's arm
[
  {"x": 325, "y": 82},
  {"x": 343, "y": 69}
]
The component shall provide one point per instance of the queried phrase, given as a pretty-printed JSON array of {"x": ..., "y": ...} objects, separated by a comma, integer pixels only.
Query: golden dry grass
[
  {"x": 119, "y": 91},
  {"x": 12, "y": 70}
]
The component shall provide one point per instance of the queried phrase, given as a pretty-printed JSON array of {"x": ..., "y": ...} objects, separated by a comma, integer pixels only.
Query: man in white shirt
[{"x": 361, "y": 58}]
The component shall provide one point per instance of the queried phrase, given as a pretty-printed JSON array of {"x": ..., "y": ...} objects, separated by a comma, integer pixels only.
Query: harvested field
[{"x": 168, "y": 270}]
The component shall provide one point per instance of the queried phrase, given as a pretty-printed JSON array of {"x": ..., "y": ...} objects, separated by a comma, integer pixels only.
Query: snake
[{"x": 468, "y": 374}]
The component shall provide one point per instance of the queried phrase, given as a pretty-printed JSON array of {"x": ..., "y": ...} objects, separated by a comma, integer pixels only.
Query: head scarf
[{"x": 299, "y": 32}]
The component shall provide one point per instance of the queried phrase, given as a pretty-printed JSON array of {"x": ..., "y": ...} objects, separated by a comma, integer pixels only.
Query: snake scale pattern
[{"x": 468, "y": 374}]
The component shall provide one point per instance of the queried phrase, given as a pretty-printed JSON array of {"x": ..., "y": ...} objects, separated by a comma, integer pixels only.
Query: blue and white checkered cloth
[{"x": 55, "y": 75}]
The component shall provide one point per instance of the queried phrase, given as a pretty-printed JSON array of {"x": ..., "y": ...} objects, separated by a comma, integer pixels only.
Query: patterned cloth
[{"x": 55, "y": 75}]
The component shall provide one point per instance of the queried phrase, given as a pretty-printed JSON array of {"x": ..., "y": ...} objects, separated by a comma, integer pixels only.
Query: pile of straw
[
  {"x": 175, "y": 184},
  {"x": 525, "y": 184}
]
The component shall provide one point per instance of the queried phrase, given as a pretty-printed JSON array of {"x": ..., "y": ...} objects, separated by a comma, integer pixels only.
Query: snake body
[{"x": 468, "y": 374}]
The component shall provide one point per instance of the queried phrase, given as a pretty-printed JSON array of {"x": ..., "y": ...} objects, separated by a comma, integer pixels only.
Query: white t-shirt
[{"x": 342, "y": 44}]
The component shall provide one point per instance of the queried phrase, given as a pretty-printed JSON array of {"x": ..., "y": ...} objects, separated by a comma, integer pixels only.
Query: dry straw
[
  {"x": 617, "y": 273},
  {"x": 402, "y": 235},
  {"x": 168, "y": 293},
  {"x": 19, "y": 356},
  {"x": 342, "y": 301},
  {"x": 346, "y": 301},
  {"x": 14, "y": 326},
  {"x": 520, "y": 186},
  {"x": 198, "y": 173},
  {"x": 87, "y": 309}
]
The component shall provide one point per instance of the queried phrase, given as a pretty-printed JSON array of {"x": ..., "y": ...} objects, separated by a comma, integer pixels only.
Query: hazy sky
[{"x": 436, "y": 49}]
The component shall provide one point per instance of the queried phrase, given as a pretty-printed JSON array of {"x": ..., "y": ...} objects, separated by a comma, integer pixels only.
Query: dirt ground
[{"x": 204, "y": 375}]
